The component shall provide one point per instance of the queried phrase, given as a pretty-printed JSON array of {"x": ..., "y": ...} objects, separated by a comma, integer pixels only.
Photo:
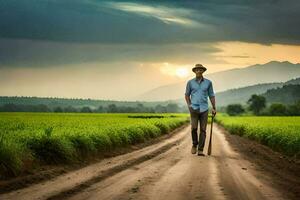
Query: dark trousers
[{"x": 202, "y": 118}]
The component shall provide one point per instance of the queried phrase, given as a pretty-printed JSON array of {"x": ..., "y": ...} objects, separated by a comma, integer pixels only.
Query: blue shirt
[{"x": 199, "y": 92}]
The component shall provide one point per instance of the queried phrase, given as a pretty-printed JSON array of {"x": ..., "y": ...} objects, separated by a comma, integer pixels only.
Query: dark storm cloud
[
  {"x": 81, "y": 21},
  {"x": 267, "y": 21},
  {"x": 33, "y": 53}
]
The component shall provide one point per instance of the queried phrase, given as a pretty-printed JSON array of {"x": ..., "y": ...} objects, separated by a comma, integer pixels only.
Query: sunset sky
[{"x": 120, "y": 49}]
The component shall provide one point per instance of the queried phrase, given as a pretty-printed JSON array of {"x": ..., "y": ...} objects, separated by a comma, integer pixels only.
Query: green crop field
[
  {"x": 61, "y": 138},
  {"x": 280, "y": 133}
]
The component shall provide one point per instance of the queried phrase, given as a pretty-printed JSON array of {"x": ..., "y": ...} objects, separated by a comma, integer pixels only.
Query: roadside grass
[
  {"x": 62, "y": 138},
  {"x": 280, "y": 133}
]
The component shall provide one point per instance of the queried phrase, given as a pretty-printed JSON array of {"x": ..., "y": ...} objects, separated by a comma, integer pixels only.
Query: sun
[
  {"x": 174, "y": 70},
  {"x": 182, "y": 72}
]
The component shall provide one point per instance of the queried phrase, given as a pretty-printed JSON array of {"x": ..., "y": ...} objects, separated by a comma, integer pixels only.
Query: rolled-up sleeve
[
  {"x": 188, "y": 89},
  {"x": 211, "y": 90}
]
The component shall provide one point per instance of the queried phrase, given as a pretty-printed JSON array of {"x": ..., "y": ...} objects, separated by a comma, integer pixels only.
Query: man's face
[{"x": 199, "y": 71}]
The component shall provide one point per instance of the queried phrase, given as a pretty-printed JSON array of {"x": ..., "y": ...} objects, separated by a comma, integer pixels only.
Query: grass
[
  {"x": 55, "y": 138},
  {"x": 280, "y": 133}
]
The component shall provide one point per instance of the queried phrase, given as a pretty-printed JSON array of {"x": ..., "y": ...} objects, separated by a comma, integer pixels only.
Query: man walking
[{"x": 197, "y": 92}]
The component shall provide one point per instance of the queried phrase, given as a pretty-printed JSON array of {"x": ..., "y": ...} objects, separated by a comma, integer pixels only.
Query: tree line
[
  {"x": 257, "y": 104},
  {"x": 111, "y": 108}
]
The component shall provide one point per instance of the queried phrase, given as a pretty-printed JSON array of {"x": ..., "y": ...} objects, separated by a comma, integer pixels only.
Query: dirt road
[{"x": 166, "y": 170}]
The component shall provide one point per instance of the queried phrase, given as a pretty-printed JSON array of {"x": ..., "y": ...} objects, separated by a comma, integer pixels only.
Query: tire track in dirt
[{"x": 177, "y": 174}]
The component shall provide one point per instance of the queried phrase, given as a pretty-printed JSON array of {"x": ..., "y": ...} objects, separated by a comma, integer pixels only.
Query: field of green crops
[
  {"x": 53, "y": 138},
  {"x": 280, "y": 133}
]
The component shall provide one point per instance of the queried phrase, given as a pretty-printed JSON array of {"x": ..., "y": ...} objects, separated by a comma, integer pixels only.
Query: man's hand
[{"x": 214, "y": 112}]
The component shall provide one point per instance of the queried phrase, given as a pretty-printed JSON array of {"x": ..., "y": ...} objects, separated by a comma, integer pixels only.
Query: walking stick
[{"x": 210, "y": 138}]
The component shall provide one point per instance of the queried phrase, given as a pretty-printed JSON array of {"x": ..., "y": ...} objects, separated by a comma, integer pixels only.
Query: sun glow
[
  {"x": 174, "y": 70},
  {"x": 182, "y": 72}
]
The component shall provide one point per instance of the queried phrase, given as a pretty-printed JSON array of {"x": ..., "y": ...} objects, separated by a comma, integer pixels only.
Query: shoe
[
  {"x": 200, "y": 153},
  {"x": 193, "y": 150}
]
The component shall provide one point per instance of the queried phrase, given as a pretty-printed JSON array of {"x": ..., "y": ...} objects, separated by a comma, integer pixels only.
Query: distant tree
[
  {"x": 287, "y": 94},
  {"x": 58, "y": 109},
  {"x": 235, "y": 109},
  {"x": 126, "y": 109},
  {"x": 277, "y": 109},
  {"x": 140, "y": 108},
  {"x": 160, "y": 109},
  {"x": 294, "y": 109},
  {"x": 172, "y": 107},
  {"x": 152, "y": 110},
  {"x": 86, "y": 109},
  {"x": 100, "y": 109},
  {"x": 112, "y": 108},
  {"x": 70, "y": 109},
  {"x": 256, "y": 103},
  {"x": 42, "y": 108},
  {"x": 10, "y": 107}
]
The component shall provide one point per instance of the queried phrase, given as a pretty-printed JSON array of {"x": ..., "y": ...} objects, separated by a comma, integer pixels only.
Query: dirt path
[{"x": 163, "y": 171}]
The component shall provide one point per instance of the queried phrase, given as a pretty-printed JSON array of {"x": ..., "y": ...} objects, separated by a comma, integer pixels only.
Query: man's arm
[
  {"x": 188, "y": 99},
  {"x": 213, "y": 102},
  {"x": 187, "y": 94},
  {"x": 212, "y": 99}
]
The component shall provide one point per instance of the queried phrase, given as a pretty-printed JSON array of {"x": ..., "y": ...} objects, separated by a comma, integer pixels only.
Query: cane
[{"x": 210, "y": 138}]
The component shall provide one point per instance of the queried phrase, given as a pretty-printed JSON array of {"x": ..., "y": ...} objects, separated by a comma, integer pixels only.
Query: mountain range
[
  {"x": 270, "y": 74},
  {"x": 241, "y": 95}
]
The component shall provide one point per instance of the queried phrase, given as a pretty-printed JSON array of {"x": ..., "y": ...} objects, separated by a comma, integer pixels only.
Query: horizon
[{"x": 154, "y": 101}]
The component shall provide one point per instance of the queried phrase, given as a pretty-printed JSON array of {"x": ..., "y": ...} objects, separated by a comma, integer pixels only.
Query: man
[{"x": 199, "y": 88}]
